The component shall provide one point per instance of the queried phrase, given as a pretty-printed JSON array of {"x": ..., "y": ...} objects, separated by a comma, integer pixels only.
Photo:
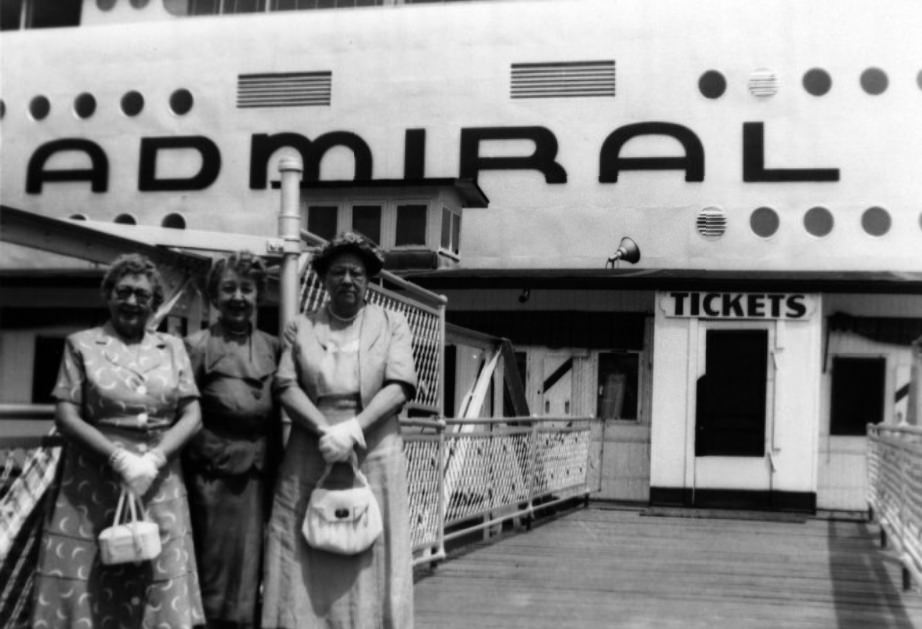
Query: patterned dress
[
  {"x": 131, "y": 393},
  {"x": 341, "y": 371},
  {"x": 229, "y": 466}
]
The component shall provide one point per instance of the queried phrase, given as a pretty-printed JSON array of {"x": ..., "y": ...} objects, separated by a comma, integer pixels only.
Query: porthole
[
  {"x": 711, "y": 223},
  {"x": 181, "y": 101},
  {"x": 174, "y": 220},
  {"x": 874, "y": 81},
  {"x": 132, "y": 103},
  {"x": 79, "y": 217},
  {"x": 818, "y": 221},
  {"x": 919, "y": 79},
  {"x": 2, "y": 109},
  {"x": 125, "y": 219},
  {"x": 876, "y": 221},
  {"x": 84, "y": 105},
  {"x": 39, "y": 108},
  {"x": 817, "y": 81},
  {"x": 139, "y": 4},
  {"x": 764, "y": 222},
  {"x": 712, "y": 84},
  {"x": 105, "y": 5}
]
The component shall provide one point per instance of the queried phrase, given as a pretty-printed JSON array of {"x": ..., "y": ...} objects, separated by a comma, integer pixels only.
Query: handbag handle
[{"x": 354, "y": 460}]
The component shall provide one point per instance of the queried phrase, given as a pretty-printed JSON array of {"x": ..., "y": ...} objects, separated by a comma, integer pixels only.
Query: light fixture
[
  {"x": 525, "y": 295},
  {"x": 627, "y": 250}
]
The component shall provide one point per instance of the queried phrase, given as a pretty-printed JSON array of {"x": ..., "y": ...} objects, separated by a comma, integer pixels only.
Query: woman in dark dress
[
  {"x": 229, "y": 463},
  {"x": 126, "y": 403}
]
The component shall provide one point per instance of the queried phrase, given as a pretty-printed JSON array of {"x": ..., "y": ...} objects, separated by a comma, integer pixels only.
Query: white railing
[
  {"x": 464, "y": 476},
  {"x": 895, "y": 492},
  {"x": 474, "y": 474}
]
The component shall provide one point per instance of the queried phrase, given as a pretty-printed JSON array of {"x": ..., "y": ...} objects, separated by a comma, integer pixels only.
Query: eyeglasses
[{"x": 124, "y": 293}]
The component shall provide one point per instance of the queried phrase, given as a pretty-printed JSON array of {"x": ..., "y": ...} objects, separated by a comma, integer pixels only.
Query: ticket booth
[{"x": 736, "y": 403}]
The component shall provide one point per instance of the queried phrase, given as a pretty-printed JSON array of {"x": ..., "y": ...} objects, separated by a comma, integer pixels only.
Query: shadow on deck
[{"x": 613, "y": 568}]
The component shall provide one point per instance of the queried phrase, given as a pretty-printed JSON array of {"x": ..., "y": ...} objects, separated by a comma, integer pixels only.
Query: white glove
[
  {"x": 157, "y": 457},
  {"x": 137, "y": 472},
  {"x": 338, "y": 440}
]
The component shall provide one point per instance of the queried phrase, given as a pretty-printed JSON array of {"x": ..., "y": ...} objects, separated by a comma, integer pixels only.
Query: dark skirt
[
  {"x": 74, "y": 589},
  {"x": 308, "y": 588},
  {"x": 228, "y": 514}
]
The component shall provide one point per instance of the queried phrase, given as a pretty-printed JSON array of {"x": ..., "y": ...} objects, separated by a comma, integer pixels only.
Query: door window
[
  {"x": 857, "y": 394},
  {"x": 730, "y": 413}
]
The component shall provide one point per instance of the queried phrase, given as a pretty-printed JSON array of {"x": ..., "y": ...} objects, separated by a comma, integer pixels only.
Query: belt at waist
[
  {"x": 339, "y": 402},
  {"x": 142, "y": 422}
]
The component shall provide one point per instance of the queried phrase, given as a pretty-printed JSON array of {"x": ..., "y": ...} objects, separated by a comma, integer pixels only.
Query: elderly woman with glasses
[
  {"x": 229, "y": 464},
  {"x": 345, "y": 372},
  {"x": 126, "y": 404}
]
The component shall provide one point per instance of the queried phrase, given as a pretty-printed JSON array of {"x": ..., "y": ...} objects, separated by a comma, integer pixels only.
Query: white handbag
[
  {"x": 135, "y": 540},
  {"x": 342, "y": 521}
]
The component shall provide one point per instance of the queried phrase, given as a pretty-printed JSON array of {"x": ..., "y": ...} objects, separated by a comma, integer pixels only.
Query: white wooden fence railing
[
  {"x": 895, "y": 492},
  {"x": 510, "y": 469}
]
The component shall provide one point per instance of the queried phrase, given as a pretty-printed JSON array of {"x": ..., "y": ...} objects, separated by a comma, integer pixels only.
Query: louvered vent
[
  {"x": 563, "y": 79},
  {"x": 763, "y": 83},
  {"x": 711, "y": 222},
  {"x": 285, "y": 89}
]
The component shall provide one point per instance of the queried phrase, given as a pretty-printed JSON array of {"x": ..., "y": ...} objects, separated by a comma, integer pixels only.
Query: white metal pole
[{"x": 289, "y": 227}]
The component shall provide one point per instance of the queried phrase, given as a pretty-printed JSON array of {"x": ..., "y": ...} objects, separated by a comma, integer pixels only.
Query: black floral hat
[{"x": 355, "y": 243}]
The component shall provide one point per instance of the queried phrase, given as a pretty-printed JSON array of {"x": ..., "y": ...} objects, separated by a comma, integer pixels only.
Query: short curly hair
[
  {"x": 133, "y": 264},
  {"x": 353, "y": 242},
  {"x": 243, "y": 263}
]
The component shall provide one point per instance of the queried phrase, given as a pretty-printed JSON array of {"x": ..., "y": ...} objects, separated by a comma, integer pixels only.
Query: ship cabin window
[
  {"x": 366, "y": 220},
  {"x": 322, "y": 220},
  {"x": 48, "y": 353},
  {"x": 411, "y": 225},
  {"x": 18, "y": 14},
  {"x": 857, "y": 394},
  {"x": 619, "y": 383},
  {"x": 451, "y": 230}
]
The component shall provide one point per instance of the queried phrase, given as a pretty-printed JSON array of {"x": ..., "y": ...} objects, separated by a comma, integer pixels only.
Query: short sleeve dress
[
  {"x": 341, "y": 371},
  {"x": 229, "y": 467},
  {"x": 131, "y": 393}
]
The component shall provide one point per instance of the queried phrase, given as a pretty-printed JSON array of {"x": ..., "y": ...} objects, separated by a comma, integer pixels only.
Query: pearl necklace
[{"x": 344, "y": 319}]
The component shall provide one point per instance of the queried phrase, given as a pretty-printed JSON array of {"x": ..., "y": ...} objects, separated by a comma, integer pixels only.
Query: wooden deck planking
[{"x": 602, "y": 567}]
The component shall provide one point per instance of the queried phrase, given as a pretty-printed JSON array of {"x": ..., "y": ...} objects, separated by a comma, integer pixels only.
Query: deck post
[{"x": 289, "y": 230}]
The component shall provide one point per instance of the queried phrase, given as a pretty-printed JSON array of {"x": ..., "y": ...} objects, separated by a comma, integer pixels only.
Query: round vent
[
  {"x": 763, "y": 83},
  {"x": 711, "y": 222}
]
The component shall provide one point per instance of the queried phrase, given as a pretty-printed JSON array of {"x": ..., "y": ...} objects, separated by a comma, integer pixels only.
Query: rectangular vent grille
[
  {"x": 563, "y": 79},
  {"x": 285, "y": 89}
]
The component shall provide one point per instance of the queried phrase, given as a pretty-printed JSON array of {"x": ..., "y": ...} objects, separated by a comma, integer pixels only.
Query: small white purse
[
  {"x": 342, "y": 521},
  {"x": 135, "y": 540}
]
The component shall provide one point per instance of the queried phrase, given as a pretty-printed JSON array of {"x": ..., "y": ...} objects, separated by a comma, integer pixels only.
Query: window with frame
[
  {"x": 451, "y": 231},
  {"x": 411, "y": 225},
  {"x": 322, "y": 220},
  {"x": 618, "y": 385},
  {"x": 366, "y": 220},
  {"x": 858, "y": 385}
]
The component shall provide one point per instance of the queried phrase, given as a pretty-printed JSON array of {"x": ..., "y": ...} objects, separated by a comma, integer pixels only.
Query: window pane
[
  {"x": 366, "y": 220},
  {"x": 857, "y": 394},
  {"x": 618, "y": 384},
  {"x": 48, "y": 352},
  {"x": 411, "y": 225},
  {"x": 456, "y": 233},
  {"x": 321, "y": 220},
  {"x": 10, "y": 12},
  {"x": 446, "y": 229},
  {"x": 51, "y": 13}
]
